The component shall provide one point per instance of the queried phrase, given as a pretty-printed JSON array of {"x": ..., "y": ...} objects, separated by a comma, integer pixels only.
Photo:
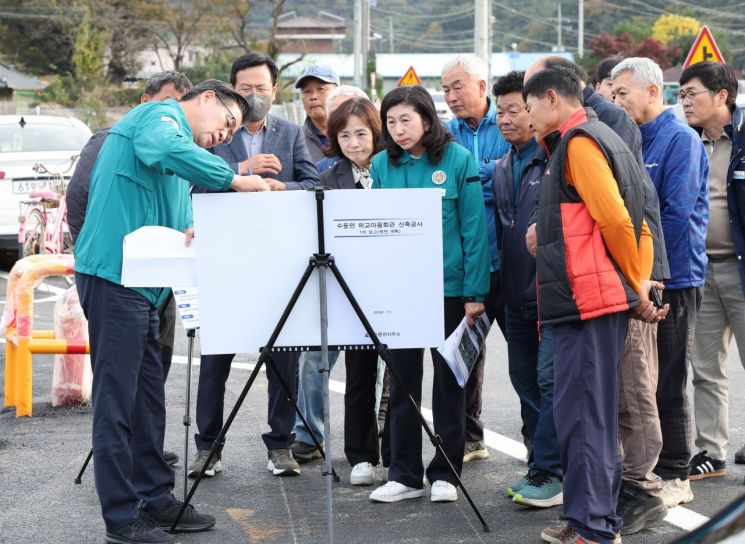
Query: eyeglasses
[
  {"x": 688, "y": 95},
  {"x": 231, "y": 122}
]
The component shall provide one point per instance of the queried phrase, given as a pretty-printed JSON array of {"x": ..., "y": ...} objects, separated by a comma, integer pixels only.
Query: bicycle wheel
[{"x": 35, "y": 233}]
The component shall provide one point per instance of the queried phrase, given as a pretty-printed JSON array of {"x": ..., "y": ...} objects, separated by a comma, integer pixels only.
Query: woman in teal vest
[{"x": 420, "y": 154}]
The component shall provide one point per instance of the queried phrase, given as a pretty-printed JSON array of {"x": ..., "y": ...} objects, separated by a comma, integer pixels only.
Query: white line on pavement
[{"x": 679, "y": 516}]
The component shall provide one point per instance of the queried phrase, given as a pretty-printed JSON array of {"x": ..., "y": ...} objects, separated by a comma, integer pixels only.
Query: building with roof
[
  {"x": 321, "y": 34},
  {"x": 12, "y": 80}
]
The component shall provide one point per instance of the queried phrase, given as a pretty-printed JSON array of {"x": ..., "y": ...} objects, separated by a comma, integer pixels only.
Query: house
[
  {"x": 12, "y": 80},
  {"x": 321, "y": 34}
]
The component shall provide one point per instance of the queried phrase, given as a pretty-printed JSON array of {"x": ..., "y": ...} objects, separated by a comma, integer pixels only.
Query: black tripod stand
[{"x": 322, "y": 261}]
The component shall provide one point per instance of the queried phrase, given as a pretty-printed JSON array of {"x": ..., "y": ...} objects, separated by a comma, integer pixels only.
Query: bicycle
[{"x": 43, "y": 221}]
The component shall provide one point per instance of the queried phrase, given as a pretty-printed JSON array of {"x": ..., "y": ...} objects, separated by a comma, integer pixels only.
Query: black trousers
[
  {"x": 448, "y": 408},
  {"x": 129, "y": 412},
  {"x": 674, "y": 350},
  {"x": 213, "y": 374},
  {"x": 360, "y": 420},
  {"x": 495, "y": 310}
]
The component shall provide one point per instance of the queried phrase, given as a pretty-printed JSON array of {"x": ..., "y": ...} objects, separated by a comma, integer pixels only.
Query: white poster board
[{"x": 254, "y": 248}]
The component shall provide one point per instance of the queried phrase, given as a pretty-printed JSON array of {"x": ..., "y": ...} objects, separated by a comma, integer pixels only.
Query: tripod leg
[
  {"x": 220, "y": 440},
  {"x": 313, "y": 437},
  {"x": 79, "y": 479},
  {"x": 265, "y": 355},
  {"x": 187, "y": 409},
  {"x": 386, "y": 355}
]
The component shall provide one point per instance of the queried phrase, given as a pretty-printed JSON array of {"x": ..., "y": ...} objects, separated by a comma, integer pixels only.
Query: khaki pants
[
  {"x": 721, "y": 316},
  {"x": 638, "y": 421}
]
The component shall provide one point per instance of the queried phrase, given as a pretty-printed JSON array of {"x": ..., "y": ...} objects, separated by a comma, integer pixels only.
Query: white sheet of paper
[
  {"x": 157, "y": 257},
  {"x": 187, "y": 306},
  {"x": 254, "y": 248}
]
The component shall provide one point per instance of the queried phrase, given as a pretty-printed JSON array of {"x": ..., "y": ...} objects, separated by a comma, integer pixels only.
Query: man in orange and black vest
[{"x": 594, "y": 253}]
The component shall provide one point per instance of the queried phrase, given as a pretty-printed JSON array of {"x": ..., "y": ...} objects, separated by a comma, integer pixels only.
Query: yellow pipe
[
  {"x": 10, "y": 369},
  {"x": 50, "y": 347},
  {"x": 42, "y": 335},
  {"x": 23, "y": 378}
]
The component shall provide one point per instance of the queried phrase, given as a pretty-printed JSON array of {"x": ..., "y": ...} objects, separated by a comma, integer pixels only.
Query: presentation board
[{"x": 254, "y": 247}]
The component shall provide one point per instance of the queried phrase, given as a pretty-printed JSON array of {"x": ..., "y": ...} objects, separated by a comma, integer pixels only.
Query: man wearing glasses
[
  {"x": 138, "y": 180},
  {"x": 708, "y": 91},
  {"x": 678, "y": 166},
  {"x": 274, "y": 149}
]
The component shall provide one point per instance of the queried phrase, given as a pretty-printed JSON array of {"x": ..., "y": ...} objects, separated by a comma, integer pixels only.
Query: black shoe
[
  {"x": 171, "y": 457},
  {"x": 638, "y": 510},
  {"x": 703, "y": 466},
  {"x": 191, "y": 522},
  {"x": 740, "y": 456},
  {"x": 140, "y": 531}
]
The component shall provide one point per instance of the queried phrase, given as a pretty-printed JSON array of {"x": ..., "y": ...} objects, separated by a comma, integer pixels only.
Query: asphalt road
[{"x": 40, "y": 457}]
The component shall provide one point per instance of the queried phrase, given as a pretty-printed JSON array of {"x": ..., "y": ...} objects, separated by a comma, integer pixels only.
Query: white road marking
[{"x": 679, "y": 516}]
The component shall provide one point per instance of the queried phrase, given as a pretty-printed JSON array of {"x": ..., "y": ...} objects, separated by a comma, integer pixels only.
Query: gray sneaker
[
  {"x": 475, "y": 450},
  {"x": 213, "y": 468},
  {"x": 281, "y": 463}
]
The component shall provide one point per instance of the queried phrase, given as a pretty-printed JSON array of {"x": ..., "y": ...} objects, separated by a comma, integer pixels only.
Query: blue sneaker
[
  {"x": 543, "y": 490},
  {"x": 515, "y": 487}
]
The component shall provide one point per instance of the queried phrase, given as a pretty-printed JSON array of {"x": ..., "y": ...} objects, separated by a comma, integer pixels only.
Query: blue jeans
[
  {"x": 531, "y": 368},
  {"x": 310, "y": 395}
]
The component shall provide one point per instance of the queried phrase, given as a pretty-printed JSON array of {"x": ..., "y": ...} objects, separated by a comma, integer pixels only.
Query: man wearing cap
[{"x": 316, "y": 83}]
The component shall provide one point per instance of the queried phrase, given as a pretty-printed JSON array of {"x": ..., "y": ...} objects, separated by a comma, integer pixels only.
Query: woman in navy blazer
[{"x": 354, "y": 134}]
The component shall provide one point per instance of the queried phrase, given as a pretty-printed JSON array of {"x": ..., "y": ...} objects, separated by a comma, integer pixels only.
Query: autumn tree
[
  {"x": 669, "y": 26},
  {"x": 608, "y": 45}
]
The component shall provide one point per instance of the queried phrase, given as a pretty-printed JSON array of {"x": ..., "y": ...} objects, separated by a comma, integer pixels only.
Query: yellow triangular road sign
[
  {"x": 704, "y": 48},
  {"x": 410, "y": 78}
]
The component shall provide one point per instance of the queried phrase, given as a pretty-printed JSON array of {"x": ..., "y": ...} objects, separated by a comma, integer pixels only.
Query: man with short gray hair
[
  {"x": 464, "y": 82},
  {"x": 676, "y": 161}
]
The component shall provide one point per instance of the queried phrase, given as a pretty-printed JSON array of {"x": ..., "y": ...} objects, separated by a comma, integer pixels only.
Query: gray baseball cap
[{"x": 318, "y": 71}]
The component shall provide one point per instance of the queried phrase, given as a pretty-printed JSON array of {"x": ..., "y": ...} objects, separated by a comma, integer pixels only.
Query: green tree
[{"x": 90, "y": 46}]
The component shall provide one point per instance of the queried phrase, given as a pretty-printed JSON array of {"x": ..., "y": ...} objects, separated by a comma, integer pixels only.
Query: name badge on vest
[{"x": 738, "y": 174}]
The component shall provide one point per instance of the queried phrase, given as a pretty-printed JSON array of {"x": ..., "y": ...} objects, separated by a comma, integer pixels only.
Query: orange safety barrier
[{"x": 21, "y": 340}]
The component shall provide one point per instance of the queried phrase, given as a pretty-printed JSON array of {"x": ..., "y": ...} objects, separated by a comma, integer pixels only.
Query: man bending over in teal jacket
[{"x": 141, "y": 178}]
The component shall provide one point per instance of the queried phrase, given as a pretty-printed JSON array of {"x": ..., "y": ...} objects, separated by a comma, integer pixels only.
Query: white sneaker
[
  {"x": 362, "y": 474},
  {"x": 443, "y": 491},
  {"x": 675, "y": 492},
  {"x": 394, "y": 492}
]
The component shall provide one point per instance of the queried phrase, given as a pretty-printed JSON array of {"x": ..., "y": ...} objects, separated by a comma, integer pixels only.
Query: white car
[
  {"x": 443, "y": 112},
  {"x": 24, "y": 141}
]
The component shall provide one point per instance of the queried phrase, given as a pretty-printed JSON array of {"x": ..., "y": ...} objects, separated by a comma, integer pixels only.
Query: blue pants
[
  {"x": 213, "y": 374},
  {"x": 310, "y": 395},
  {"x": 587, "y": 355},
  {"x": 531, "y": 367},
  {"x": 360, "y": 414},
  {"x": 129, "y": 413}
]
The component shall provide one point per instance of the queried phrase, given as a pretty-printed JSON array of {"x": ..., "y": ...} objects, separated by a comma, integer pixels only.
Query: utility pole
[
  {"x": 481, "y": 22},
  {"x": 390, "y": 34},
  {"x": 581, "y": 29},
  {"x": 359, "y": 68},
  {"x": 559, "y": 45},
  {"x": 481, "y": 28},
  {"x": 365, "y": 40}
]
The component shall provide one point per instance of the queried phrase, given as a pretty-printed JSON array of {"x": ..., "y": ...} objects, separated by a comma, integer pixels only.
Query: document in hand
[
  {"x": 157, "y": 257},
  {"x": 463, "y": 347}
]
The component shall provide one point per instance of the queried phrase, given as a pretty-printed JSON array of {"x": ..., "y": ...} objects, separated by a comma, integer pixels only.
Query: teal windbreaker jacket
[
  {"x": 464, "y": 236},
  {"x": 137, "y": 181}
]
